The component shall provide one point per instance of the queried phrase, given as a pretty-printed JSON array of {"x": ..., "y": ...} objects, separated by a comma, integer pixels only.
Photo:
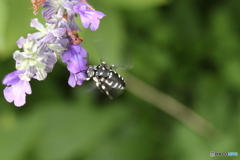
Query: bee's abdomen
[{"x": 115, "y": 80}]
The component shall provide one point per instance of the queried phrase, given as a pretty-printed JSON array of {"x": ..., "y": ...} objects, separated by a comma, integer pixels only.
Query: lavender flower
[
  {"x": 89, "y": 17},
  {"x": 51, "y": 33},
  {"x": 59, "y": 7},
  {"x": 74, "y": 57},
  {"x": 76, "y": 64},
  {"x": 16, "y": 89},
  {"x": 76, "y": 78},
  {"x": 57, "y": 38},
  {"x": 34, "y": 60}
]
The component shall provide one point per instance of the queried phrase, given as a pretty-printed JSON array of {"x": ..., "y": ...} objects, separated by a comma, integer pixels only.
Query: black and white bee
[{"x": 106, "y": 79}]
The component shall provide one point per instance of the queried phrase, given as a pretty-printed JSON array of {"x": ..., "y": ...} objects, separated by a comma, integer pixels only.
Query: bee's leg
[
  {"x": 103, "y": 88},
  {"x": 86, "y": 79},
  {"x": 108, "y": 94},
  {"x": 99, "y": 85}
]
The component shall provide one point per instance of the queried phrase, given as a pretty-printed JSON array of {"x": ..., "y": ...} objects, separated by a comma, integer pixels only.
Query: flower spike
[{"x": 57, "y": 38}]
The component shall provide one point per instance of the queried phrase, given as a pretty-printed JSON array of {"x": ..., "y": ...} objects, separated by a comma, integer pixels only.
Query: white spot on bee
[
  {"x": 103, "y": 87},
  {"x": 97, "y": 84},
  {"x": 109, "y": 83},
  {"x": 95, "y": 79},
  {"x": 115, "y": 85},
  {"x": 110, "y": 75}
]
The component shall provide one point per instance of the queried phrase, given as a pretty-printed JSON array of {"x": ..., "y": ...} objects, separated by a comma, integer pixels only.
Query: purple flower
[
  {"x": 46, "y": 35},
  {"x": 59, "y": 7},
  {"x": 75, "y": 58},
  {"x": 20, "y": 42},
  {"x": 56, "y": 38},
  {"x": 51, "y": 8},
  {"x": 76, "y": 64},
  {"x": 35, "y": 61},
  {"x": 89, "y": 17},
  {"x": 16, "y": 89},
  {"x": 76, "y": 78}
]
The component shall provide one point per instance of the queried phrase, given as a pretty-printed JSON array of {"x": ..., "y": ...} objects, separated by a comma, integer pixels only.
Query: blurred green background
[{"x": 176, "y": 52}]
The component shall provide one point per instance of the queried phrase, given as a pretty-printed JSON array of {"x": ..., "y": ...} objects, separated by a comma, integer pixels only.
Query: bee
[{"x": 106, "y": 79}]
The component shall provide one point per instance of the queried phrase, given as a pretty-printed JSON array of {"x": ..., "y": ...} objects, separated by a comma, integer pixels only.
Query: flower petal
[
  {"x": 81, "y": 77},
  {"x": 11, "y": 78},
  {"x": 8, "y": 94},
  {"x": 74, "y": 57},
  {"x": 36, "y": 35},
  {"x": 76, "y": 79},
  {"x": 58, "y": 32},
  {"x": 72, "y": 80},
  {"x": 17, "y": 89},
  {"x": 47, "y": 13},
  {"x": 48, "y": 38},
  {"x": 67, "y": 5},
  {"x": 85, "y": 20},
  {"x": 20, "y": 42},
  {"x": 36, "y": 24},
  {"x": 88, "y": 17}
]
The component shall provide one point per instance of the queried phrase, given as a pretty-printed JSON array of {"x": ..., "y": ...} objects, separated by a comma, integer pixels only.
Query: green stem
[{"x": 171, "y": 106}]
